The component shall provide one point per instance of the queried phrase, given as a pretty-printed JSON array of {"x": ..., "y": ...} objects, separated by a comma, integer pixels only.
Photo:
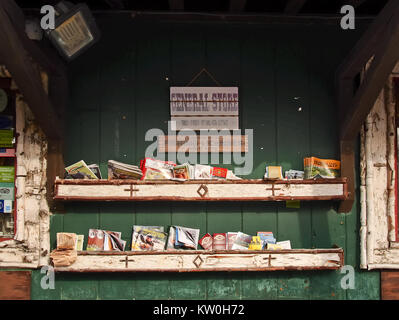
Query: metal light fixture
[{"x": 75, "y": 29}]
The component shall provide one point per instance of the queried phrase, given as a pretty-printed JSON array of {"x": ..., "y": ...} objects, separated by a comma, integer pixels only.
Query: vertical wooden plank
[
  {"x": 118, "y": 217},
  {"x": 257, "y": 97},
  {"x": 117, "y": 93},
  {"x": 116, "y": 286},
  {"x": 56, "y": 225},
  {"x": 224, "y": 217},
  {"x": 292, "y": 98},
  {"x": 78, "y": 287},
  {"x": 39, "y": 293},
  {"x": 152, "y": 84},
  {"x": 224, "y": 286},
  {"x": 192, "y": 216},
  {"x": 80, "y": 218},
  {"x": 187, "y": 286},
  {"x": 293, "y": 285}
]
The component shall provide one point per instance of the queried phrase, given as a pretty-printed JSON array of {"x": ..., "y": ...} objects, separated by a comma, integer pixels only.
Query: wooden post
[{"x": 348, "y": 171}]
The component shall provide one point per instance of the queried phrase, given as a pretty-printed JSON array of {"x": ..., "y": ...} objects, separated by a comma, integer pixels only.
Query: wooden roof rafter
[
  {"x": 293, "y": 7},
  {"x": 379, "y": 42},
  {"x": 17, "y": 53}
]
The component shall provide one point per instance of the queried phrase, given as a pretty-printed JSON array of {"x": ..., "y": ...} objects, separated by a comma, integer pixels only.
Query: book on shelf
[
  {"x": 7, "y": 152},
  {"x": 119, "y": 170},
  {"x": 7, "y": 174},
  {"x": 79, "y": 170}
]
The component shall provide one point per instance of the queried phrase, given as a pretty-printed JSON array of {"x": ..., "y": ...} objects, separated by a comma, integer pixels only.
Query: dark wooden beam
[
  {"x": 355, "y": 3},
  {"x": 366, "y": 46},
  {"x": 294, "y": 6},
  {"x": 116, "y": 4},
  {"x": 347, "y": 149},
  {"x": 21, "y": 65},
  {"x": 237, "y": 6},
  {"x": 356, "y": 100},
  {"x": 48, "y": 60},
  {"x": 385, "y": 58},
  {"x": 176, "y": 5}
]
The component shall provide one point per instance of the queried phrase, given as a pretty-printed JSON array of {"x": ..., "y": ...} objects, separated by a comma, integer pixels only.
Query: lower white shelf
[{"x": 202, "y": 261}]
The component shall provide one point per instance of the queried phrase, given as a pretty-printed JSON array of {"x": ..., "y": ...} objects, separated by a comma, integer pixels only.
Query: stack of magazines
[{"x": 119, "y": 170}]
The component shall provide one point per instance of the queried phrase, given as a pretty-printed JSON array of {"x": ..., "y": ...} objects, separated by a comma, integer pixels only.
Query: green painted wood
[
  {"x": 114, "y": 104},
  {"x": 118, "y": 217}
]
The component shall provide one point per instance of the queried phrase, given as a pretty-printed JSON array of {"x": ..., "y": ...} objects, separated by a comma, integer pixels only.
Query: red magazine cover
[
  {"x": 219, "y": 172},
  {"x": 219, "y": 241},
  {"x": 206, "y": 242}
]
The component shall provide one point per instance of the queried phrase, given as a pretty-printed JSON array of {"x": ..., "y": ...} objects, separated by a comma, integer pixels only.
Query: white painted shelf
[
  {"x": 202, "y": 261},
  {"x": 196, "y": 190}
]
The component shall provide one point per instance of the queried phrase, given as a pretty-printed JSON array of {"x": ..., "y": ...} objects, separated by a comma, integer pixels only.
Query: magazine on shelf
[
  {"x": 206, "y": 242},
  {"x": 321, "y": 168},
  {"x": 145, "y": 239},
  {"x": 113, "y": 241},
  {"x": 96, "y": 170},
  {"x": 102, "y": 240},
  {"x": 154, "y": 169},
  {"x": 242, "y": 241},
  {"x": 219, "y": 241},
  {"x": 95, "y": 241},
  {"x": 230, "y": 238},
  {"x": 119, "y": 170},
  {"x": 80, "y": 170},
  {"x": 186, "y": 238}
]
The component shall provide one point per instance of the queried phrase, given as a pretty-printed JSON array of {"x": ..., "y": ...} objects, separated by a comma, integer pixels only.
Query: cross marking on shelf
[
  {"x": 131, "y": 190},
  {"x": 270, "y": 260},
  {"x": 126, "y": 260},
  {"x": 273, "y": 188}
]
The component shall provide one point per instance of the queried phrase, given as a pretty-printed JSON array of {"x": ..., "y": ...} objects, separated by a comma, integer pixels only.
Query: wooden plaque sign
[{"x": 235, "y": 143}]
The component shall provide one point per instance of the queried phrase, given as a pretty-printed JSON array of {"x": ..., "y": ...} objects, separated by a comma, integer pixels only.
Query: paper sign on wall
[{"x": 198, "y": 108}]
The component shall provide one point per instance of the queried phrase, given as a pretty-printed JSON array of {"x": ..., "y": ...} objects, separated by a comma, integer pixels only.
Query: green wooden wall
[{"x": 120, "y": 89}]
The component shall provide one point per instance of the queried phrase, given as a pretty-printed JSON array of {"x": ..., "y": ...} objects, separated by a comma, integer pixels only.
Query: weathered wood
[
  {"x": 15, "y": 285},
  {"x": 27, "y": 76},
  {"x": 348, "y": 170},
  {"x": 294, "y": 6},
  {"x": 389, "y": 285},
  {"x": 201, "y": 261},
  {"x": 240, "y": 190}
]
